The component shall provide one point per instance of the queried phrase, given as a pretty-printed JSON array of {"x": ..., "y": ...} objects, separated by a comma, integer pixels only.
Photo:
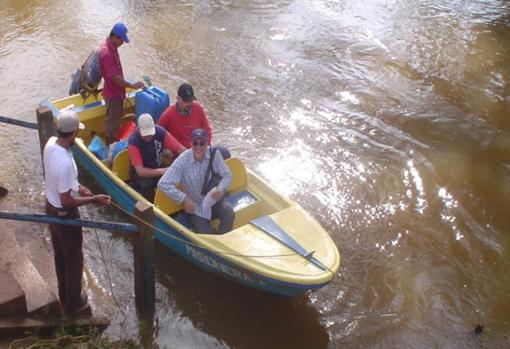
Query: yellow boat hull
[{"x": 289, "y": 255}]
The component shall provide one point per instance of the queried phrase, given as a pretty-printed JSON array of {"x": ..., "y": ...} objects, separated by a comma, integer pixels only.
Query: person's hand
[
  {"x": 102, "y": 199},
  {"x": 189, "y": 205},
  {"x": 167, "y": 156},
  {"x": 217, "y": 193},
  {"x": 84, "y": 191},
  {"x": 138, "y": 85},
  {"x": 162, "y": 170}
]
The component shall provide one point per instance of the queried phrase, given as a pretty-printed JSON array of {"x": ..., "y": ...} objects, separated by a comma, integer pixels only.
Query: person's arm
[
  {"x": 68, "y": 201},
  {"x": 66, "y": 178},
  {"x": 135, "y": 158},
  {"x": 109, "y": 70},
  {"x": 205, "y": 124},
  {"x": 172, "y": 144},
  {"x": 119, "y": 81},
  {"x": 168, "y": 183},
  {"x": 150, "y": 172},
  {"x": 164, "y": 119}
]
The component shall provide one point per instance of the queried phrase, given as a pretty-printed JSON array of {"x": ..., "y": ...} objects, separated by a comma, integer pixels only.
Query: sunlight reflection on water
[{"x": 386, "y": 120}]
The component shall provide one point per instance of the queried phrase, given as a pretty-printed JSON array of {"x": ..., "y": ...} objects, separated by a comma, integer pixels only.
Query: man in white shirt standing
[{"x": 63, "y": 197}]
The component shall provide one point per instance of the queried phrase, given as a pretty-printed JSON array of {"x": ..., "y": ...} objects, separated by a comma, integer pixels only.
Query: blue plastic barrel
[{"x": 152, "y": 100}]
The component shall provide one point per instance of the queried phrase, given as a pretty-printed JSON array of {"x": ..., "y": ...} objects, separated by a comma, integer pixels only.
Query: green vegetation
[{"x": 69, "y": 336}]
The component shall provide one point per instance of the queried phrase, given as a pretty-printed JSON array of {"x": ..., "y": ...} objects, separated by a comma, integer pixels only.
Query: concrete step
[
  {"x": 12, "y": 297},
  {"x": 40, "y": 299},
  {"x": 35, "y": 240},
  {"x": 26, "y": 258}
]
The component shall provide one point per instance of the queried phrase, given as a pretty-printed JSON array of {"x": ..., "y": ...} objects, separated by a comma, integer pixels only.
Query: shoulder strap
[{"x": 212, "y": 152}]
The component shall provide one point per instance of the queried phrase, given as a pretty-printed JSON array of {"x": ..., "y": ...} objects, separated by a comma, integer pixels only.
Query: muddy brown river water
[{"x": 388, "y": 121}]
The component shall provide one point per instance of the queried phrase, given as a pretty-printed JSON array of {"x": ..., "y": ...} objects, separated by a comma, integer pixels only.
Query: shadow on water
[{"x": 234, "y": 314}]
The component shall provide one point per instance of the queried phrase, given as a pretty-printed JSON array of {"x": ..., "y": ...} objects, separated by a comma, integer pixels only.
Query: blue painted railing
[{"x": 40, "y": 218}]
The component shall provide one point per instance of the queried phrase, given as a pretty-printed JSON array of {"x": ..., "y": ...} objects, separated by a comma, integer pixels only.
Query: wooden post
[
  {"x": 46, "y": 125},
  {"x": 145, "y": 294}
]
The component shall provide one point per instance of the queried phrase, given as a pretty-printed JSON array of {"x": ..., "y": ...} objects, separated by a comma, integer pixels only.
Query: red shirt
[
  {"x": 181, "y": 126},
  {"x": 135, "y": 157},
  {"x": 109, "y": 63}
]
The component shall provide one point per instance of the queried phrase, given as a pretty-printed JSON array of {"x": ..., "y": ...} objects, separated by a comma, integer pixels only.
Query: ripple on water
[{"x": 379, "y": 117}]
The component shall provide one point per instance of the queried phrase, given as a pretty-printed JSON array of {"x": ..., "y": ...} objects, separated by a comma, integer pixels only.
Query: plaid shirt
[{"x": 191, "y": 173}]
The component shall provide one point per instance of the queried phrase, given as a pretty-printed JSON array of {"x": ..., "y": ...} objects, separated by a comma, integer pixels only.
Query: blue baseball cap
[
  {"x": 199, "y": 133},
  {"x": 120, "y": 30}
]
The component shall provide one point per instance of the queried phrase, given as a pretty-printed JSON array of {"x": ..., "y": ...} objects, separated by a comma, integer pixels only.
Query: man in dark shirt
[{"x": 147, "y": 146}]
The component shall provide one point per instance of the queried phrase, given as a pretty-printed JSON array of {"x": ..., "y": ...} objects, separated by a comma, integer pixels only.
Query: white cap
[
  {"x": 146, "y": 125},
  {"x": 68, "y": 121}
]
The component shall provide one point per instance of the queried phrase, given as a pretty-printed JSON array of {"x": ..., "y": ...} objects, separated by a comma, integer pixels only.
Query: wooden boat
[{"x": 275, "y": 246}]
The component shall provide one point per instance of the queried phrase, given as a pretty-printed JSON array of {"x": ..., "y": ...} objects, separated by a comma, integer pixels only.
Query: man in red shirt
[
  {"x": 114, "y": 89},
  {"x": 184, "y": 116},
  {"x": 181, "y": 118}
]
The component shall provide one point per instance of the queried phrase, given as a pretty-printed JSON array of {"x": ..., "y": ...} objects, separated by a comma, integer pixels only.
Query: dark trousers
[
  {"x": 67, "y": 248},
  {"x": 144, "y": 185},
  {"x": 114, "y": 111},
  {"x": 221, "y": 210}
]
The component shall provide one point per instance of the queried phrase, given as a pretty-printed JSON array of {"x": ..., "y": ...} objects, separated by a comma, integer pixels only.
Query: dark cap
[
  {"x": 199, "y": 133},
  {"x": 185, "y": 91}
]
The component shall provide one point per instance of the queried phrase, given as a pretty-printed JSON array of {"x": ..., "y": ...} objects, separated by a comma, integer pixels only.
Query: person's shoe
[{"x": 81, "y": 307}]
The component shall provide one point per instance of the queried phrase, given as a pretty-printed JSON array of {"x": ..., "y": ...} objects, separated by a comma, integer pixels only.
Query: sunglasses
[{"x": 198, "y": 144}]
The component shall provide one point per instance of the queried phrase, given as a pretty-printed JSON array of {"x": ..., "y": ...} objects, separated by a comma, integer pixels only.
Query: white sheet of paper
[{"x": 208, "y": 202}]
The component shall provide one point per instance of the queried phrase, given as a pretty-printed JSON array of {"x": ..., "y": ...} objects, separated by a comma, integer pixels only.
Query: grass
[{"x": 69, "y": 336}]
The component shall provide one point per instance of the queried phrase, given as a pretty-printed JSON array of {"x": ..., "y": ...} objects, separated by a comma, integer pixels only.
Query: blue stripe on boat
[
  {"x": 87, "y": 106},
  {"x": 270, "y": 227}
]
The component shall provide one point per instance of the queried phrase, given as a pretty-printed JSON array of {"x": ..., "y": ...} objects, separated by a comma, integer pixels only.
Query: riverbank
[{"x": 28, "y": 292}]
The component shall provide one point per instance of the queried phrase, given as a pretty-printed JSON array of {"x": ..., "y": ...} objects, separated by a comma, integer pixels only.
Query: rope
[
  {"x": 109, "y": 279},
  {"x": 293, "y": 254},
  {"x": 108, "y": 274}
]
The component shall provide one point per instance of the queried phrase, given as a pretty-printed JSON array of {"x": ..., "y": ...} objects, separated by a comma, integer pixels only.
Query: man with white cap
[
  {"x": 147, "y": 145},
  {"x": 64, "y": 195},
  {"x": 114, "y": 89}
]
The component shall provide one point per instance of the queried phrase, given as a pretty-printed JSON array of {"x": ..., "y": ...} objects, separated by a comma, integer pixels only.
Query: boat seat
[
  {"x": 165, "y": 204},
  {"x": 238, "y": 171},
  {"x": 120, "y": 165}
]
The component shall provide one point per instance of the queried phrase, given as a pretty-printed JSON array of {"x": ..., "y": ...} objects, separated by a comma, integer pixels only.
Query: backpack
[{"x": 87, "y": 79}]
